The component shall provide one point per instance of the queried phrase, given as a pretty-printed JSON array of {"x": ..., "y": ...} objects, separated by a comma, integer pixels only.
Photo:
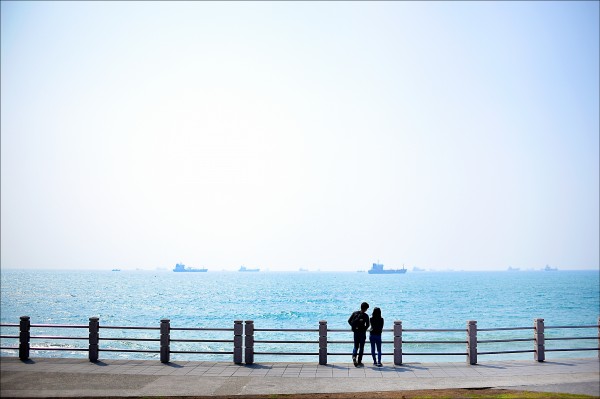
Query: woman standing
[{"x": 375, "y": 335}]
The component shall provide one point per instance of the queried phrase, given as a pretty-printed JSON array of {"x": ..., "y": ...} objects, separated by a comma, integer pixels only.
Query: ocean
[{"x": 298, "y": 300}]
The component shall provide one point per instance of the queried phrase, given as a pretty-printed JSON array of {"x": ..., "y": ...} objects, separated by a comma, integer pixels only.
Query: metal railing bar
[
  {"x": 203, "y": 352},
  {"x": 351, "y": 342},
  {"x": 25, "y": 337},
  {"x": 126, "y": 328},
  {"x": 288, "y": 329},
  {"x": 58, "y": 326},
  {"x": 200, "y": 329},
  {"x": 127, "y": 350},
  {"x": 59, "y": 349},
  {"x": 435, "y": 342},
  {"x": 485, "y": 341},
  {"x": 288, "y": 353},
  {"x": 202, "y": 340},
  {"x": 350, "y": 353},
  {"x": 284, "y": 342},
  {"x": 128, "y": 339},
  {"x": 338, "y": 330},
  {"x": 434, "y": 353},
  {"x": 406, "y": 342},
  {"x": 462, "y": 330},
  {"x": 504, "y": 329}
]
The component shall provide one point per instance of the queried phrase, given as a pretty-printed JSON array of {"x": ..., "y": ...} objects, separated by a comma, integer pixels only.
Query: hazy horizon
[
  {"x": 283, "y": 269},
  {"x": 287, "y": 135}
]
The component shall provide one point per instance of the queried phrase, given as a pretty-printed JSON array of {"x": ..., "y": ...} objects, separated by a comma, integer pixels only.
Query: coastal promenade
[{"x": 64, "y": 377}]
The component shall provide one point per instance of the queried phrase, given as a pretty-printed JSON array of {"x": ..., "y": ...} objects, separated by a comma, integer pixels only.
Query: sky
[{"x": 286, "y": 135}]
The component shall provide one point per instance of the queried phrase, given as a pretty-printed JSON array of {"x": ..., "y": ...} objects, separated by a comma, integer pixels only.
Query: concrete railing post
[
  {"x": 249, "y": 331},
  {"x": 398, "y": 342},
  {"x": 472, "y": 342},
  {"x": 323, "y": 342},
  {"x": 599, "y": 338},
  {"x": 538, "y": 337},
  {"x": 94, "y": 338},
  {"x": 238, "y": 332},
  {"x": 24, "y": 337},
  {"x": 165, "y": 340}
]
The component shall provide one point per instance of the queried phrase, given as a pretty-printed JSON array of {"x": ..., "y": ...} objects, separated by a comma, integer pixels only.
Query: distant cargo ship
[
  {"x": 245, "y": 269},
  {"x": 550, "y": 269},
  {"x": 180, "y": 267},
  {"x": 378, "y": 269}
]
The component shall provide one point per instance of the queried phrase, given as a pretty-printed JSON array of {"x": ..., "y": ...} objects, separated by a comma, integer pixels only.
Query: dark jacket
[
  {"x": 362, "y": 324},
  {"x": 376, "y": 326}
]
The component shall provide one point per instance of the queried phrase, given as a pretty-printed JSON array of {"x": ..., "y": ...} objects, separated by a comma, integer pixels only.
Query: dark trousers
[
  {"x": 375, "y": 343},
  {"x": 359, "y": 344}
]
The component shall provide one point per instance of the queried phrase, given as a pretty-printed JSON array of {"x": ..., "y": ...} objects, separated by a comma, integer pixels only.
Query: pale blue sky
[{"x": 303, "y": 134}]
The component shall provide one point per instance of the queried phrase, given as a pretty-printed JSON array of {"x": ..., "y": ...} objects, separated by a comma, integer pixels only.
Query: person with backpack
[
  {"x": 359, "y": 321},
  {"x": 375, "y": 335}
]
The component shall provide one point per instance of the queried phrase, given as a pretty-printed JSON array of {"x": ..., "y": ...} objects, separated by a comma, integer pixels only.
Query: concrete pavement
[{"x": 80, "y": 378}]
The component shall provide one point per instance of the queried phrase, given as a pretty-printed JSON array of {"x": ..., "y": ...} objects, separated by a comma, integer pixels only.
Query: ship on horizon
[
  {"x": 180, "y": 267},
  {"x": 245, "y": 269},
  {"x": 378, "y": 269}
]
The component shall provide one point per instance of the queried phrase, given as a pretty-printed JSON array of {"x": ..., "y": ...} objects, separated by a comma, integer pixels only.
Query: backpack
[{"x": 356, "y": 322}]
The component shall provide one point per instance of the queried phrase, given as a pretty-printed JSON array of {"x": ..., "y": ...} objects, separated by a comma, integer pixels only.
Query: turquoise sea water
[{"x": 431, "y": 300}]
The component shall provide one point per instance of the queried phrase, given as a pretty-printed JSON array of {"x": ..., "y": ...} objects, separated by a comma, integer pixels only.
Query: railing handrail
[
  {"x": 126, "y": 339},
  {"x": 505, "y": 329},
  {"x": 247, "y": 335},
  {"x": 59, "y": 326},
  {"x": 127, "y": 327},
  {"x": 287, "y": 329},
  {"x": 200, "y": 329},
  {"x": 200, "y": 340},
  {"x": 487, "y": 341},
  {"x": 291, "y": 329},
  {"x": 462, "y": 330}
]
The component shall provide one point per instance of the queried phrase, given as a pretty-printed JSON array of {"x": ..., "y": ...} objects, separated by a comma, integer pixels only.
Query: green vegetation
[
  {"x": 484, "y": 393},
  {"x": 492, "y": 394}
]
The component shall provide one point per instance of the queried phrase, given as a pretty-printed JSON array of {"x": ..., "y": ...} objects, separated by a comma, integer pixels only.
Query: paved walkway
[{"x": 78, "y": 377}]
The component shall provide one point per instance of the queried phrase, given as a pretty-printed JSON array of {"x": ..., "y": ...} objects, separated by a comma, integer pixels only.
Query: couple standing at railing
[{"x": 360, "y": 323}]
